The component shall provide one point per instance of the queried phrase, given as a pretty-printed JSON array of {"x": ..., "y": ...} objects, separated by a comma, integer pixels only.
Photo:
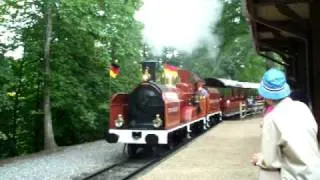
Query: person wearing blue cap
[{"x": 289, "y": 134}]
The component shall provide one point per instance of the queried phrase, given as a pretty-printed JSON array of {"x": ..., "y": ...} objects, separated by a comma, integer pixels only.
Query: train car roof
[
  {"x": 250, "y": 85},
  {"x": 221, "y": 82}
]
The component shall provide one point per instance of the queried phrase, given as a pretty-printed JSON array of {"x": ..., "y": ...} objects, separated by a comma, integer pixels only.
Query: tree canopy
[{"x": 86, "y": 37}]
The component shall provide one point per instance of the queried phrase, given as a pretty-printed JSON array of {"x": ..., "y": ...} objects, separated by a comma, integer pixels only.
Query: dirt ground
[{"x": 223, "y": 153}]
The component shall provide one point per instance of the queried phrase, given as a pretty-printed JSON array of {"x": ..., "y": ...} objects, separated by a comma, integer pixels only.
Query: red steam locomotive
[{"x": 161, "y": 114}]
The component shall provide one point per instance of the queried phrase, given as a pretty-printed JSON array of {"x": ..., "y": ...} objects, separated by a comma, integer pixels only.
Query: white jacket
[{"x": 289, "y": 141}]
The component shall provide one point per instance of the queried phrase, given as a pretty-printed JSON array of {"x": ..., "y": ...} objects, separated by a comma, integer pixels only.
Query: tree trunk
[{"x": 49, "y": 141}]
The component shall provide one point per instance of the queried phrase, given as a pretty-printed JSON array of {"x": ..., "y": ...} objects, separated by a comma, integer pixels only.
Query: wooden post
[{"x": 314, "y": 60}]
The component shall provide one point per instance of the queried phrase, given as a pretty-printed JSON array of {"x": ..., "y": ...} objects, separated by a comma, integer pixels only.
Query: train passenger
[
  {"x": 200, "y": 94},
  {"x": 289, "y": 136},
  {"x": 201, "y": 90},
  {"x": 250, "y": 101}
]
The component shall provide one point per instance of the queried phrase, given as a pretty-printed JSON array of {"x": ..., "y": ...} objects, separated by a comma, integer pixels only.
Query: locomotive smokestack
[{"x": 149, "y": 70}]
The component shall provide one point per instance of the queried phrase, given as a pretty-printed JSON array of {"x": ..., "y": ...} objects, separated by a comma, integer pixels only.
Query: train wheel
[
  {"x": 213, "y": 121},
  {"x": 132, "y": 150},
  {"x": 197, "y": 128},
  {"x": 170, "y": 144},
  {"x": 155, "y": 151}
]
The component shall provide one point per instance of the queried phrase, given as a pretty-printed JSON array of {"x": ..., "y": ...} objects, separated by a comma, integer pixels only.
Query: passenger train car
[
  {"x": 237, "y": 98},
  {"x": 156, "y": 114}
]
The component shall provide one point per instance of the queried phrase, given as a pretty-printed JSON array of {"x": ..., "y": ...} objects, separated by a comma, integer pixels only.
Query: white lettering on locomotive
[
  {"x": 174, "y": 109},
  {"x": 171, "y": 96},
  {"x": 214, "y": 101}
]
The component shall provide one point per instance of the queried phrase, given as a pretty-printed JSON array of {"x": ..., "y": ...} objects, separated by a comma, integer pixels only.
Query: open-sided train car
[{"x": 237, "y": 98}]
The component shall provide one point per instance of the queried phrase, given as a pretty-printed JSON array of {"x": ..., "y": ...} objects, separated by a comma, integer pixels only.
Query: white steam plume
[{"x": 182, "y": 24}]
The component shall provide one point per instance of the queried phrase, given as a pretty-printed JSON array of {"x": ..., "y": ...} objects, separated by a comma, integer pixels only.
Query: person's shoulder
[
  {"x": 298, "y": 107},
  {"x": 299, "y": 104}
]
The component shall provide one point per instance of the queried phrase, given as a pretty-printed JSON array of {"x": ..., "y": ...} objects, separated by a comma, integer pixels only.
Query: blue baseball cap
[{"x": 274, "y": 85}]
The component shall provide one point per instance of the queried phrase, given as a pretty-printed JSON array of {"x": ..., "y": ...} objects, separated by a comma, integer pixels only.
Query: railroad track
[
  {"x": 130, "y": 167},
  {"x": 122, "y": 170}
]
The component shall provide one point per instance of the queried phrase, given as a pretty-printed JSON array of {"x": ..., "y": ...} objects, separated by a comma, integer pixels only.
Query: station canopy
[{"x": 278, "y": 26}]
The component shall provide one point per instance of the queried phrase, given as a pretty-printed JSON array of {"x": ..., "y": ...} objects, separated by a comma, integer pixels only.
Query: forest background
[{"x": 60, "y": 86}]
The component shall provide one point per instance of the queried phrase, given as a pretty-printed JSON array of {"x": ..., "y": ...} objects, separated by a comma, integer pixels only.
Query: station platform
[{"x": 222, "y": 153}]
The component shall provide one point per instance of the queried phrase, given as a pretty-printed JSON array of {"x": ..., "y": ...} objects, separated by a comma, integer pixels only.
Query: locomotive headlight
[
  {"x": 119, "y": 121},
  {"x": 157, "y": 122},
  {"x": 228, "y": 101}
]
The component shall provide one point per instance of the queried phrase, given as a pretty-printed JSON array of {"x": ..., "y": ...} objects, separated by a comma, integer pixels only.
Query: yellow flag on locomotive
[
  {"x": 170, "y": 71},
  {"x": 114, "y": 70}
]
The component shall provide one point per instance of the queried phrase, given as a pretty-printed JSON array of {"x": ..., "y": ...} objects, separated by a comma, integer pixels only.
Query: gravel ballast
[{"x": 68, "y": 163}]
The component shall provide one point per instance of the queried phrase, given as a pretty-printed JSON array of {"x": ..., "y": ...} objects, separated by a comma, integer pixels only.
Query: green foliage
[
  {"x": 237, "y": 58},
  {"x": 87, "y": 36},
  {"x": 6, "y": 106}
]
